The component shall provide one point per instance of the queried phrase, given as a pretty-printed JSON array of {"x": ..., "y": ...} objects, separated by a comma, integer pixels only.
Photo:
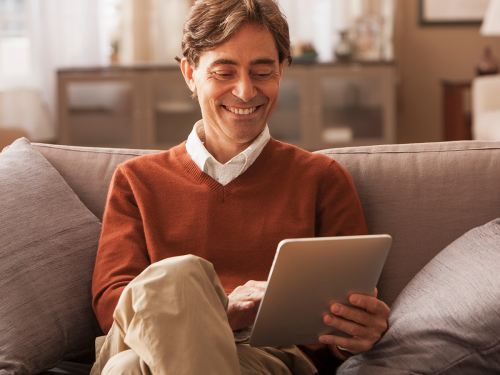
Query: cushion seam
[
  {"x": 91, "y": 150},
  {"x": 404, "y": 152}
]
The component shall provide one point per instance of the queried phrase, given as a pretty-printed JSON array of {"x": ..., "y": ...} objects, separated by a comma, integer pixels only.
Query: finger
[
  {"x": 371, "y": 304},
  {"x": 352, "y": 328},
  {"x": 245, "y": 293},
  {"x": 375, "y": 292},
  {"x": 256, "y": 284},
  {"x": 241, "y": 306},
  {"x": 355, "y": 314}
]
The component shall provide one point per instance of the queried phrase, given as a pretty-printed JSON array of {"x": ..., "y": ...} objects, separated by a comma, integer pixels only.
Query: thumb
[{"x": 247, "y": 305}]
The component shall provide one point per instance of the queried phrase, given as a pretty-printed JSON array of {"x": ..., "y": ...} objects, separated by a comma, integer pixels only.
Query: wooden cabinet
[
  {"x": 457, "y": 115},
  {"x": 319, "y": 106}
]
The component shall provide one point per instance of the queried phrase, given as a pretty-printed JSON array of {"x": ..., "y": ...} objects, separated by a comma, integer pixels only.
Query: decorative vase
[
  {"x": 343, "y": 50},
  {"x": 486, "y": 64}
]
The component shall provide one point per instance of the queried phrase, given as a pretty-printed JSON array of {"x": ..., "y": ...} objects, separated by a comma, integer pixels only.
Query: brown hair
[{"x": 210, "y": 23}]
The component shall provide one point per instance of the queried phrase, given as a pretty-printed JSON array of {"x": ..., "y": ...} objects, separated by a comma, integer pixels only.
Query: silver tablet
[{"x": 307, "y": 276}]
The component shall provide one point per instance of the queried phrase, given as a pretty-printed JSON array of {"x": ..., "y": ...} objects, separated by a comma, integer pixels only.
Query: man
[{"x": 228, "y": 196}]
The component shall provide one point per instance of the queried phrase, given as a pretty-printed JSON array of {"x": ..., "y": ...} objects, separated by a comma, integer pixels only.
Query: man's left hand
[{"x": 366, "y": 322}]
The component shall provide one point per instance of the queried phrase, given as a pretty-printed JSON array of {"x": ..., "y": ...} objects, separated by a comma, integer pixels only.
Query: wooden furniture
[
  {"x": 456, "y": 110},
  {"x": 319, "y": 106},
  {"x": 9, "y": 135}
]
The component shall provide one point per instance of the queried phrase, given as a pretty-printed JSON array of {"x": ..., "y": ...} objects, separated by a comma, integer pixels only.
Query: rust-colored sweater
[{"x": 163, "y": 205}]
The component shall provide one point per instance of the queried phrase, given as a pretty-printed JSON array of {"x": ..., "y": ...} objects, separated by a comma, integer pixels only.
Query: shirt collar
[{"x": 196, "y": 149}]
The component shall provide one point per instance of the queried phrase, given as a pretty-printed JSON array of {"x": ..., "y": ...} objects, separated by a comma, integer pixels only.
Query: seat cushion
[
  {"x": 447, "y": 319},
  {"x": 48, "y": 243},
  {"x": 69, "y": 368}
]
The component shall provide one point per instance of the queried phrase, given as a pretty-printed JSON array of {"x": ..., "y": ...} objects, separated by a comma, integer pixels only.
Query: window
[{"x": 15, "y": 44}]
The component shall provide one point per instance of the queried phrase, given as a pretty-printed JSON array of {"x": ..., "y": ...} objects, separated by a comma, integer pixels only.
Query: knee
[
  {"x": 184, "y": 264},
  {"x": 123, "y": 363}
]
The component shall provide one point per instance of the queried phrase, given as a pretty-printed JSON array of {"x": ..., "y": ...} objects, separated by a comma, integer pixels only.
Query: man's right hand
[{"x": 244, "y": 303}]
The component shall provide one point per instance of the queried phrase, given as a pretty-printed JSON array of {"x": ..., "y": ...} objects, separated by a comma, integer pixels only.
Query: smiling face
[{"x": 237, "y": 86}]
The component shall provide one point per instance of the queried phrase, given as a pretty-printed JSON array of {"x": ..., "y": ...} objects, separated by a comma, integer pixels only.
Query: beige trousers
[{"x": 171, "y": 320}]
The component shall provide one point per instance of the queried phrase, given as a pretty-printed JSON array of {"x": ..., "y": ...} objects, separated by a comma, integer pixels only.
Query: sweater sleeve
[
  {"x": 338, "y": 209},
  {"x": 338, "y": 213},
  {"x": 122, "y": 254}
]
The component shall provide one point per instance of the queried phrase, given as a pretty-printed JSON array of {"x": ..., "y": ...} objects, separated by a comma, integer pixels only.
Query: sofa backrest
[{"x": 424, "y": 195}]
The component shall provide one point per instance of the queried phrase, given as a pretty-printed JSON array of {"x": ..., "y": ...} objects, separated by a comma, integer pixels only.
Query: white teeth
[{"x": 237, "y": 111}]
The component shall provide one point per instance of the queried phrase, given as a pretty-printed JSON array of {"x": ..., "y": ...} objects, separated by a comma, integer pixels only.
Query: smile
[{"x": 241, "y": 111}]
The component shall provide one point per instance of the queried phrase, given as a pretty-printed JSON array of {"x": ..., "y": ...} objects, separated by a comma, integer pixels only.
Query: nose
[{"x": 244, "y": 88}]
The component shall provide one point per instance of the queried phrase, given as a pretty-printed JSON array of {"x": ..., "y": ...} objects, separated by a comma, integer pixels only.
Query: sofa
[{"x": 426, "y": 196}]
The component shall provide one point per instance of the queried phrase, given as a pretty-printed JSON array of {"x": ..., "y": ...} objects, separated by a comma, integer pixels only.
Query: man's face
[{"x": 237, "y": 85}]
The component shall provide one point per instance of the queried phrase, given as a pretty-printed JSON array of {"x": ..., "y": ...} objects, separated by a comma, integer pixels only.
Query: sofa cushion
[
  {"x": 447, "y": 319},
  {"x": 88, "y": 170},
  {"x": 425, "y": 196},
  {"x": 48, "y": 242}
]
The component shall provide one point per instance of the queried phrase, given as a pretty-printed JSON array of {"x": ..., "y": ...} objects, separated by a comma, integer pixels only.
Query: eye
[
  {"x": 262, "y": 76},
  {"x": 222, "y": 74}
]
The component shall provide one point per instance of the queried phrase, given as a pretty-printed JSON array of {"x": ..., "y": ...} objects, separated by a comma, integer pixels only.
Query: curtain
[
  {"x": 65, "y": 33},
  {"x": 151, "y": 30}
]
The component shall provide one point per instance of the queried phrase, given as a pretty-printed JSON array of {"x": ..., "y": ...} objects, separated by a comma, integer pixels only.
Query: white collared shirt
[{"x": 223, "y": 173}]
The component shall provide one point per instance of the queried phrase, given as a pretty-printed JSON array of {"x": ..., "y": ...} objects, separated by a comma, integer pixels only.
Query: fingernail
[
  {"x": 355, "y": 299},
  {"x": 329, "y": 319},
  {"x": 336, "y": 309},
  {"x": 323, "y": 340}
]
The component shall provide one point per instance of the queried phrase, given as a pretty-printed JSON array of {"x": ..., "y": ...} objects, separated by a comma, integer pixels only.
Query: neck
[
  {"x": 225, "y": 151},
  {"x": 222, "y": 148}
]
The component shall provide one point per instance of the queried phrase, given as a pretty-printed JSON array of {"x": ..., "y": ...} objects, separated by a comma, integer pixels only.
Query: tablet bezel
[{"x": 297, "y": 295}]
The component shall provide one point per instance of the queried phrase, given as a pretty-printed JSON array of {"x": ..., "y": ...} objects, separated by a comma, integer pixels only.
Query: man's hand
[
  {"x": 244, "y": 303},
  {"x": 366, "y": 324}
]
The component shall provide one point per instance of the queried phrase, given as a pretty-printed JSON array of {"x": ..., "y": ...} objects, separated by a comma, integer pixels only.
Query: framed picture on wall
[{"x": 451, "y": 12}]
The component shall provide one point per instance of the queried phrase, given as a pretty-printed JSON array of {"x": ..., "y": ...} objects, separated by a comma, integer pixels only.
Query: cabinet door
[
  {"x": 354, "y": 105},
  {"x": 98, "y": 109},
  {"x": 289, "y": 122},
  {"x": 173, "y": 112}
]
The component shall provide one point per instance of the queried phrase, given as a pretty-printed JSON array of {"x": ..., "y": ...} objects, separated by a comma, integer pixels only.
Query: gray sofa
[{"x": 424, "y": 195}]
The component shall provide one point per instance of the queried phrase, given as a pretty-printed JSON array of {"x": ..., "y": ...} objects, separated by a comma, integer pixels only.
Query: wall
[{"x": 425, "y": 56}]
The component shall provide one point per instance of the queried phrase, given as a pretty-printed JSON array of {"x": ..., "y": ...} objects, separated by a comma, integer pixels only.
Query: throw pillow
[
  {"x": 447, "y": 319},
  {"x": 48, "y": 243}
]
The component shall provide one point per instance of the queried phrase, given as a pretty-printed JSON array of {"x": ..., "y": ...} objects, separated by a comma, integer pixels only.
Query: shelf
[{"x": 176, "y": 107}]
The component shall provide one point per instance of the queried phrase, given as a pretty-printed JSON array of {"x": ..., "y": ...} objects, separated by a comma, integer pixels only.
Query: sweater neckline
[{"x": 224, "y": 191}]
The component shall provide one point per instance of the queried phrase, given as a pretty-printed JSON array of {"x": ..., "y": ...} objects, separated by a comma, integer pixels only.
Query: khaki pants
[{"x": 171, "y": 320}]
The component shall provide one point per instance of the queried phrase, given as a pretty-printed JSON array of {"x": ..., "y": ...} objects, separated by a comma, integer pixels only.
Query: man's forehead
[
  {"x": 229, "y": 61},
  {"x": 250, "y": 44}
]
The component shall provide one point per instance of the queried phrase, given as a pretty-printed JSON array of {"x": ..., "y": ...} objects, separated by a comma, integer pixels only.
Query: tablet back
[{"x": 307, "y": 276}]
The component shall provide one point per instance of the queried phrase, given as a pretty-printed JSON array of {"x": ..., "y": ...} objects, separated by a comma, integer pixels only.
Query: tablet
[{"x": 307, "y": 276}]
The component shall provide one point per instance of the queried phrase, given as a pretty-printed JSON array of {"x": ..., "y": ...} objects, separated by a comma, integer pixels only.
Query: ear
[
  {"x": 188, "y": 73},
  {"x": 281, "y": 67}
]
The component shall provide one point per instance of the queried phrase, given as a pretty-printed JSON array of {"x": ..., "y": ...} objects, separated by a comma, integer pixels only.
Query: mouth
[{"x": 242, "y": 111}]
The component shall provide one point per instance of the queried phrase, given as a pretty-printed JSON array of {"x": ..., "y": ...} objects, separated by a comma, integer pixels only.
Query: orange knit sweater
[{"x": 163, "y": 205}]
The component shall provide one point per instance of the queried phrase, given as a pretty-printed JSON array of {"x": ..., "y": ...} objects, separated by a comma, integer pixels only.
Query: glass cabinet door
[
  {"x": 287, "y": 123},
  {"x": 174, "y": 111},
  {"x": 354, "y": 107},
  {"x": 99, "y": 113}
]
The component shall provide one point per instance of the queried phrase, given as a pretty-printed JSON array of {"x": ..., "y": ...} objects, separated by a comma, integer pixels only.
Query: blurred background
[{"x": 102, "y": 72}]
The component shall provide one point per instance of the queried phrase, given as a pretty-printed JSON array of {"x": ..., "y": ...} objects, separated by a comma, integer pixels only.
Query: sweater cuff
[{"x": 342, "y": 354}]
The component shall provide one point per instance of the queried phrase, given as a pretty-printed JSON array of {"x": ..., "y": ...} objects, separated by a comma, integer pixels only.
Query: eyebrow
[{"x": 263, "y": 61}]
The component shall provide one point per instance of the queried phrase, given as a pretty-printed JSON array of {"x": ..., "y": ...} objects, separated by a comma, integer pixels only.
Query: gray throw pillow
[
  {"x": 447, "y": 319},
  {"x": 48, "y": 242}
]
